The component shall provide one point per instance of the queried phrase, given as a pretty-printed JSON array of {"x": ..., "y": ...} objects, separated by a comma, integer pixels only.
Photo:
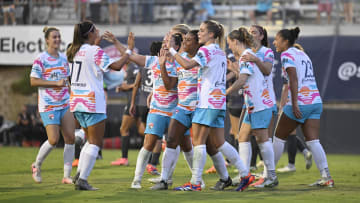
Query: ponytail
[
  {"x": 218, "y": 30},
  {"x": 290, "y": 34},
  {"x": 81, "y": 34},
  {"x": 243, "y": 36},
  {"x": 262, "y": 31}
]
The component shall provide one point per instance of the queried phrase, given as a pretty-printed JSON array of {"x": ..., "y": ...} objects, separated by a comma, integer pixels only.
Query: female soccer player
[
  {"x": 208, "y": 120},
  {"x": 258, "y": 102},
  {"x": 87, "y": 99},
  {"x": 304, "y": 104},
  {"x": 50, "y": 73}
]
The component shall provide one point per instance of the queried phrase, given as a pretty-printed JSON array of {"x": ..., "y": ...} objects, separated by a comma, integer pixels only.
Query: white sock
[
  {"x": 189, "y": 158},
  {"x": 278, "y": 146},
  {"x": 89, "y": 159},
  {"x": 82, "y": 154},
  {"x": 267, "y": 152},
  {"x": 220, "y": 166},
  {"x": 167, "y": 162},
  {"x": 44, "y": 150},
  {"x": 319, "y": 157},
  {"x": 245, "y": 153},
  {"x": 230, "y": 152},
  {"x": 199, "y": 161},
  {"x": 69, "y": 153},
  {"x": 142, "y": 160},
  {"x": 173, "y": 166}
]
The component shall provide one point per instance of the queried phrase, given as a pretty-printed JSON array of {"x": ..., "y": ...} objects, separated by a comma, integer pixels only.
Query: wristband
[
  {"x": 128, "y": 51},
  {"x": 173, "y": 51}
]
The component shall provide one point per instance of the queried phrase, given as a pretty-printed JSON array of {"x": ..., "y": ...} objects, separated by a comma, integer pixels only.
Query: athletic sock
[
  {"x": 245, "y": 152},
  {"x": 141, "y": 162},
  {"x": 189, "y": 158},
  {"x": 219, "y": 164},
  {"x": 278, "y": 145},
  {"x": 69, "y": 152},
  {"x": 319, "y": 157},
  {"x": 267, "y": 152},
  {"x": 125, "y": 146},
  {"x": 229, "y": 152},
  {"x": 198, "y": 163},
  {"x": 89, "y": 159},
  {"x": 155, "y": 158},
  {"x": 167, "y": 163},
  {"x": 82, "y": 154},
  {"x": 45, "y": 149}
]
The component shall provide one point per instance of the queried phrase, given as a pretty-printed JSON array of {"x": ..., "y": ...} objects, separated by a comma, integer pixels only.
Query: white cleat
[
  {"x": 286, "y": 169},
  {"x": 136, "y": 185},
  {"x": 36, "y": 173},
  {"x": 308, "y": 160}
]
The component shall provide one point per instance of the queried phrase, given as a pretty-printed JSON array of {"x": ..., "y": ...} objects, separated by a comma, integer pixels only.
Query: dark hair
[
  {"x": 155, "y": 48},
  {"x": 47, "y": 30},
  {"x": 195, "y": 34},
  {"x": 81, "y": 33},
  {"x": 242, "y": 35},
  {"x": 263, "y": 32},
  {"x": 178, "y": 39},
  {"x": 290, "y": 34},
  {"x": 217, "y": 29}
]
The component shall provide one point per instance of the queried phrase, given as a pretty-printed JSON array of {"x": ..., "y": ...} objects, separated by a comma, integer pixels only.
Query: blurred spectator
[
  {"x": 263, "y": 7},
  {"x": 24, "y": 126},
  {"x": 134, "y": 4},
  {"x": 348, "y": 10},
  {"x": 95, "y": 6},
  {"x": 7, "y": 132},
  {"x": 292, "y": 10},
  {"x": 82, "y": 9},
  {"x": 8, "y": 10},
  {"x": 113, "y": 11},
  {"x": 188, "y": 6},
  {"x": 325, "y": 5},
  {"x": 38, "y": 130},
  {"x": 206, "y": 11},
  {"x": 148, "y": 11}
]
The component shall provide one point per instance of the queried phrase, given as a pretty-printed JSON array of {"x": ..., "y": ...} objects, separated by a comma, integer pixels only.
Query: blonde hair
[
  {"x": 243, "y": 36},
  {"x": 298, "y": 46},
  {"x": 181, "y": 28}
]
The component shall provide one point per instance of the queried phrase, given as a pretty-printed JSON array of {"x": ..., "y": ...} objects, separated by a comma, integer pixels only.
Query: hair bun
[
  {"x": 295, "y": 32},
  {"x": 45, "y": 29}
]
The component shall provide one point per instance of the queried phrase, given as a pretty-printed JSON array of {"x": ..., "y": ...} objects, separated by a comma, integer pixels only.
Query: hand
[
  {"x": 131, "y": 41},
  {"x": 110, "y": 37},
  {"x": 249, "y": 58},
  {"x": 162, "y": 56},
  {"x": 61, "y": 83},
  {"x": 119, "y": 89},
  {"x": 132, "y": 110},
  {"x": 296, "y": 111}
]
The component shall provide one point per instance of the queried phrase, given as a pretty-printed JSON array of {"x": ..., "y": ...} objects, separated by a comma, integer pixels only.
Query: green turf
[{"x": 16, "y": 184}]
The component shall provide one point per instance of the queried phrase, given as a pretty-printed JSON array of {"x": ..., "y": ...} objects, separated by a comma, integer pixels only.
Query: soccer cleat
[
  {"x": 202, "y": 184},
  {"x": 236, "y": 180},
  {"x": 162, "y": 185},
  {"x": 76, "y": 177},
  {"x": 259, "y": 182},
  {"x": 120, "y": 162},
  {"x": 66, "y": 181},
  {"x": 260, "y": 164},
  {"x": 84, "y": 185},
  {"x": 308, "y": 160},
  {"x": 158, "y": 179},
  {"x": 75, "y": 163},
  {"x": 268, "y": 182},
  {"x": 287, "y": 169},
  {"x": 211, "y": 170},
  {"x": 152, "y": 170},
  {"x": 222, "y": 184},
  {"x": 136, "y": 185},
  {"x": 36, "y": 173},
  {"x": 324, "y": 182},
  {"x": 188, "y": 187},
  {"x": 245, "y": 182}
]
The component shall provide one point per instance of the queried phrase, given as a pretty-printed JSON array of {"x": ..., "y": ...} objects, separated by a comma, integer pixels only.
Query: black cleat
[
  {"x": 221, "y": 184},
  {"x": 162, "y": 185},
  {"x": 84, "y": 185},
  {"x": 76, "y": 177}
]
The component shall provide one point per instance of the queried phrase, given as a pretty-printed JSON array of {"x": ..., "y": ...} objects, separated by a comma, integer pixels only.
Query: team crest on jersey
[
  {"x": 51, "y": 116},
  {"x": 151, "y": 125}
]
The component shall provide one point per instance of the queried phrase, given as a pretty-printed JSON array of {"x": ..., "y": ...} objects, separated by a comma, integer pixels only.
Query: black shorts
[
  {"x": 234, "y": 111},
  {"x": 260, "y": 13},
  {"x": 142, "y": 111}
]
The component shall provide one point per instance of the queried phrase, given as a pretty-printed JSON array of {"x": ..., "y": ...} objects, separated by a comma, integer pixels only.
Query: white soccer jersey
[
  {"x": 256, "y": 94},
  {"x": 308, "y": 92},
  {"x": 212, "y": 77},
  {"x": 87, "y": 92}
]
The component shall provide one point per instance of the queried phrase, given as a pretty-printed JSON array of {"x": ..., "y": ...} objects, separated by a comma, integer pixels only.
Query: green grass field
[{"x": 16, "y": 184}]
